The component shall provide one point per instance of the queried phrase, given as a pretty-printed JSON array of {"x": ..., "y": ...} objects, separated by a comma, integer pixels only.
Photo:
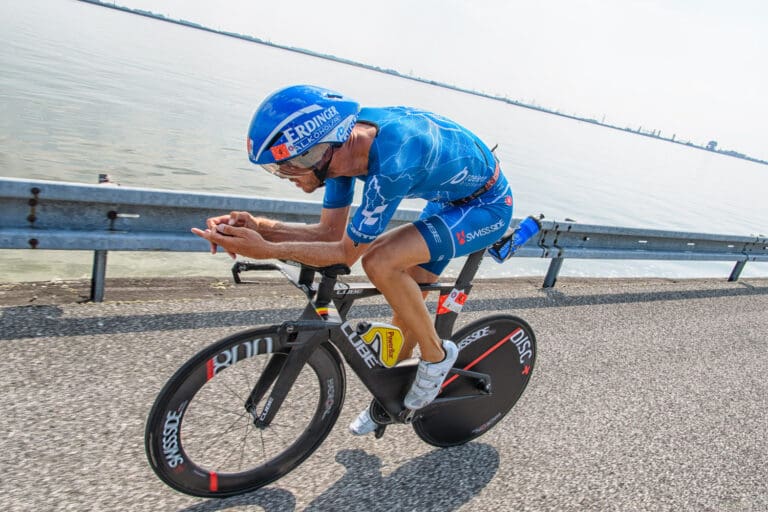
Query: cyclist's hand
[
  {"x": 236, "y": 240},
  {"x": 237, "y": 219}
]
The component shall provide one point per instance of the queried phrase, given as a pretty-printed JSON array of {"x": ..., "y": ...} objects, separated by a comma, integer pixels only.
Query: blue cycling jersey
[
  {"x": 418, "y": 154},
  {"x": 415, "y": 154}
]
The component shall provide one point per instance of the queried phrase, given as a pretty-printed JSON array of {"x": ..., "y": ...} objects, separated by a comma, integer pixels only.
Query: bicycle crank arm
[
  {"x": 483, "y": 382},
  {"x": 483, "y": 379},
  {"x": 443, "y": 400}
]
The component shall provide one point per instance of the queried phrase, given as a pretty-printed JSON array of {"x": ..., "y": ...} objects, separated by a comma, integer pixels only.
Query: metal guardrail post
[
  {"x": 98, "y": 275},
  {"x": 736, "y": 272},
  {"x": 552, "y": 272}
]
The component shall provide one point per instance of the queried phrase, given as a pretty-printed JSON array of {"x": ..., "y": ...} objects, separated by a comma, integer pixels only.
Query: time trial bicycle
[{"x": 252, "y": 406}]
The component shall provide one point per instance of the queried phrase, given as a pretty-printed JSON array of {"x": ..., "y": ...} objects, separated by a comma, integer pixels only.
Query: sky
[{"x": 692, "y": 68}]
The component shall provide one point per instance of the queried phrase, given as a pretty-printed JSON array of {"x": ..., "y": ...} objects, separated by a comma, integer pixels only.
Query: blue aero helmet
[{"x": 294, "y": 127}]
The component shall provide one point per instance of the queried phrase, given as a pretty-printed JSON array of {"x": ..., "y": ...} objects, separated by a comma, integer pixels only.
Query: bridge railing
[{"x": 37, "y": 214}]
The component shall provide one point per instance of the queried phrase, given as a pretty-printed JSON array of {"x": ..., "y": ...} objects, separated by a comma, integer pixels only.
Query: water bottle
[
  {"x": 524, "y": 231},
  {"x": 385, "y": 340},
  {"x": 507, "y": 246}
]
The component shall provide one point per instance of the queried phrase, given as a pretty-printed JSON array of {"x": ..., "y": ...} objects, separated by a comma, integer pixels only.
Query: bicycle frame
[{"x": 324, "y": 318}]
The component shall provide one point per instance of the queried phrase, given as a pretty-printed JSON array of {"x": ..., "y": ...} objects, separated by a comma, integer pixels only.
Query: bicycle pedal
[
  {"x": 379, "y": 414},
  {"x": 379, "y": 432}
]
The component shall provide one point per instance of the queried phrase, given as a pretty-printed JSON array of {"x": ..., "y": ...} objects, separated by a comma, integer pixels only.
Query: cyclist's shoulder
[
  {"x": 403, "y": 138},
  {"x": 398, "y": 117}
]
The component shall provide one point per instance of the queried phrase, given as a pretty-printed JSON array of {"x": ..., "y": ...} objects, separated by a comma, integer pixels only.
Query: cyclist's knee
[
  {"x": 376, "y": 262},
  {"x": 394, "y": 252},
  {"x": 382, "y": 259}
]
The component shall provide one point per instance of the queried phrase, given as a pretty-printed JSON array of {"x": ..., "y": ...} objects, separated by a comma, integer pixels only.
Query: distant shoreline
[{"x": 654, "y": 134}]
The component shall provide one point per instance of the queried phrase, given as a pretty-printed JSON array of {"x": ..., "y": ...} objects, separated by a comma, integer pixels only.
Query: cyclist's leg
[
  {"x": 363, "y": 424},
  {"x": 421, "y": 276},
  {"x": 430, "y": 244},
  {"x": 387, "y": 263},
  {"x": 419, "y": 252}
]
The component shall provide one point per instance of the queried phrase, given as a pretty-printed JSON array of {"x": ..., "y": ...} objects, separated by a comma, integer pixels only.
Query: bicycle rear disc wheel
[
  {"x": 200, "y": 439},
  {"x": 502, "y": 346}
]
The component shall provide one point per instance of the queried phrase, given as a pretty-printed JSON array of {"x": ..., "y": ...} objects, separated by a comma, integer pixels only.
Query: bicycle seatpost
[{"x": 328, "y": 282}]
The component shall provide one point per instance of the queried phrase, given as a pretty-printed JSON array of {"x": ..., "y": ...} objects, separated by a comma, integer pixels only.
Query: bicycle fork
[{"x": 283, "y": 369}]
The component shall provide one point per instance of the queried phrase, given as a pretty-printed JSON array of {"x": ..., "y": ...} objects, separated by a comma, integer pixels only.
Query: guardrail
[{"x": 37, "y": 214}]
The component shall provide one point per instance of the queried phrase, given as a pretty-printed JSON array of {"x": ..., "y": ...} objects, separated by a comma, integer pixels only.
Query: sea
[{"x": 87, "y": 90}]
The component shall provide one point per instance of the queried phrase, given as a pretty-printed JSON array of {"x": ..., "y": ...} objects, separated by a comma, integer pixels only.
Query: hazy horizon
[{"x": 681, "y": 68}]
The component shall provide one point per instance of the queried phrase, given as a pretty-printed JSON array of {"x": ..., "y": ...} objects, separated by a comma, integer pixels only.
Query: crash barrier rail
[{"x": 38, "y": 214}]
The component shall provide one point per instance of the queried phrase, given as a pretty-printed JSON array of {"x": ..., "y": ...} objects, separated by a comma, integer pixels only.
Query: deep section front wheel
[
  {"x": 201, "y": 439},
  {"x": 502, "y": 346}
]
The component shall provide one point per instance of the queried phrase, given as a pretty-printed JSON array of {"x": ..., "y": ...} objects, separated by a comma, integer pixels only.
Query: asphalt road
[{"x": 647, "y": 395}]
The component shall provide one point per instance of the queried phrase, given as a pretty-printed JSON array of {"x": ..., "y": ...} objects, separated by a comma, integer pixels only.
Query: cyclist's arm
[
  {"x": 320, "y": 254},
  {"x": 329, "y": 228},
  {"x": 249, "y": 243}
]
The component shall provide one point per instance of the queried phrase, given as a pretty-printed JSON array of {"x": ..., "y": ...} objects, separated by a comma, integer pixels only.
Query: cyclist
[{"x": 315, "y": 137}]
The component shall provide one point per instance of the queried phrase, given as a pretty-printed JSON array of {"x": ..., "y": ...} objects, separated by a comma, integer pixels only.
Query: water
[{"x": 87, "y": 90}]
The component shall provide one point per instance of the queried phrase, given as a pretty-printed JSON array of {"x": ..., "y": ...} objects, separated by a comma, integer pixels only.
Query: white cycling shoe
[
  {"x": 363, "y": 424},
  {"x": 430, "y": 377},
  {"x": 425, "y": 388}
]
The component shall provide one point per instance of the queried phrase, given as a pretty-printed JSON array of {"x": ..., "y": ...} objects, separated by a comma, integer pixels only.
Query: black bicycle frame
[{"x": 324, "y": 318}]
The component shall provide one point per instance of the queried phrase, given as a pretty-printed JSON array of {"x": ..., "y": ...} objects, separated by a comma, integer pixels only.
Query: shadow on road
[
  {"x": 440, "y": 480},
  {"x": 37, "y": 321}
]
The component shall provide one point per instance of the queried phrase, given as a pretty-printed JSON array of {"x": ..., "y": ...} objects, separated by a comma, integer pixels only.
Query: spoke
[
  {"x": 263, "y": 448},
  {"x": 232, "y": 425},
  {"x": 221, "y": 429},
  {"x": 232, "y": 391},
  {"x": 242, "y": 447},
  {"x": 240, "y": 412},
  {"x": 276, "y": 433},
  {"x": 246, "y": 378},
  {"x": 233, "y": 451},
  {"x": 208, "y": 447},
  {"x": 229, "y": 456},
  {"x": 201, "y": 419},
  {"x": 254, "y": 443}
]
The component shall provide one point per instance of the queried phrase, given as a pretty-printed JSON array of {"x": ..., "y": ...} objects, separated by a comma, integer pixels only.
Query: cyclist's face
[{"x": 307, "y": 182}]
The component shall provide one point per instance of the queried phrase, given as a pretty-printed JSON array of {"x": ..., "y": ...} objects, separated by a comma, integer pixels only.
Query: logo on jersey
[
  {"x": 373, "y": 216},
  {"x": 358, "y": 236},
  {"x": 458, "y": 178},
  {"x": 508, "y": 200},
  {"x": 464, "y": 237},
  {"x": 433, "y": 231}
]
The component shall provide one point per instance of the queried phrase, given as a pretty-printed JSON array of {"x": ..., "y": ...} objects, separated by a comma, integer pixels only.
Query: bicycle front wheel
[
  {"x": 501, "y": 346},
  {"x": 201, "y": 440}
]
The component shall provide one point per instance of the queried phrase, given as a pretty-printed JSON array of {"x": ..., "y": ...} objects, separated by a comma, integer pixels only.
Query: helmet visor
[{"x": 299, "y": 165}]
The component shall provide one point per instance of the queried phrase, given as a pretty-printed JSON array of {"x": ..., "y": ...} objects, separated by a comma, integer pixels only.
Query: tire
[
  {"x": 201, "y": 441},
  {"x": 502, "y": 346}
]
